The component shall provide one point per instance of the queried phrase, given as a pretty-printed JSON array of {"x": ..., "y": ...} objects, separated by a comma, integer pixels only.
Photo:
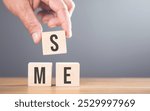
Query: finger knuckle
[{"x": 33, "y": 26}]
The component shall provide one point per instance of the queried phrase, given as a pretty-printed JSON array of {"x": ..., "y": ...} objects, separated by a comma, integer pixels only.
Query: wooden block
[
  {"x": 39, "y": 74},
  {"x": 67, "y": 74},
  {"x": 54, "y": 43}
]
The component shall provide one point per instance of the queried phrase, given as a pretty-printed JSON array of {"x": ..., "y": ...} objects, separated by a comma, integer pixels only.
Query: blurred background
[{"x": 111, "y": 38}]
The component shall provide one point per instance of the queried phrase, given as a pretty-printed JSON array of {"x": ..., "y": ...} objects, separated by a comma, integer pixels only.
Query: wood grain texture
[{"x": 87, "y": 86}]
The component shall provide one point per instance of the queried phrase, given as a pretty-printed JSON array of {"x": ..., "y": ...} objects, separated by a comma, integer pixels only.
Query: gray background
[{"x": 111, "y": 38}]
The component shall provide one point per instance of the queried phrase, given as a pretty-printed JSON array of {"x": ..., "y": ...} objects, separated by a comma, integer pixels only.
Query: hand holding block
[
  {"x": 54, "y": 42},
  {"x": 67, "y": 74},
  {"x": 39, "y": 74}
]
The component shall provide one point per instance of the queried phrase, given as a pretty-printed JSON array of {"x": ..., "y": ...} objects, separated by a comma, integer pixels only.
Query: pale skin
[{"x": 54, "y": 13}]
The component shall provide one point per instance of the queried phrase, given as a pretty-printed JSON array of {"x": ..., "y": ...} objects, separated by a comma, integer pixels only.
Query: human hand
[{"x": 54, "y": 13}]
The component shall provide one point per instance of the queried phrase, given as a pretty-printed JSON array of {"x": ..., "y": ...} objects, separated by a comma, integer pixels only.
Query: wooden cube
[
  {"x": 67, "y": 74},
  {"x": 54, "y": 42},
  {"x": 39, "y": 74}
]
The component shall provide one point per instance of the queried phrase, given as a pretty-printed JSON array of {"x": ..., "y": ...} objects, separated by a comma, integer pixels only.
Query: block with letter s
[{"x": 54, "y": 42}]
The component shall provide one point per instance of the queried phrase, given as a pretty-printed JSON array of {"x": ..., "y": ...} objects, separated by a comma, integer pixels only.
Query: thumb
[{"x": 31, "y": 22}]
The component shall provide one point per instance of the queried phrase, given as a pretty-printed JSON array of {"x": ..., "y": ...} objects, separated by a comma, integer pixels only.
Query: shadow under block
[
  {"x": 39, "y": 74},
  {"x": 54, "y": 42},
  {"x": 67, "y": 74}
]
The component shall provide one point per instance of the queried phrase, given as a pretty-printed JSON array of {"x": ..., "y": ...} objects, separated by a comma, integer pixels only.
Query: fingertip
[
  {"x": 68, "y": 30},
  {"x": 69, "y": 34},
  {"x": 36, "y": 36},
  {"x": 53, "y": 22}
]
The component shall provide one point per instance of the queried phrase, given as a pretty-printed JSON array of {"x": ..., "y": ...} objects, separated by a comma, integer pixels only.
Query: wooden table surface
[{"x": 88, "y": 86}]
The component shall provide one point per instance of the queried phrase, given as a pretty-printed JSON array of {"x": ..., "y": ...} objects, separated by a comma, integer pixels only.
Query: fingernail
[
  {"x": 36, "y": 37},
  {"x": 53, "y": 23},
  {"x": 70, "y": 34},
  {"x": 50, "y": 24}
]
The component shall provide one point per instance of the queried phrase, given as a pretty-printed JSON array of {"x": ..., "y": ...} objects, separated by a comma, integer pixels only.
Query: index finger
[{"x": 61, "y": 10}]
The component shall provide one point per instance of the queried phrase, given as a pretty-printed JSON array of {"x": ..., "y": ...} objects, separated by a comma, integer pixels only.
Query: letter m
[{"x": 39, "y": 77}]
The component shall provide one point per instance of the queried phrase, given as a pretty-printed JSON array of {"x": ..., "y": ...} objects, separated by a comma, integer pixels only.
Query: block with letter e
[
  {"x": 39, "y": 74},
  {"x": 54, "y": 42},
  {"x": 67, "y": 74}
]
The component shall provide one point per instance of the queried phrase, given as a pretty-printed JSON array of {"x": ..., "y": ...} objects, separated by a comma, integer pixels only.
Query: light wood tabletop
[{"x": 87, "y": 86}]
